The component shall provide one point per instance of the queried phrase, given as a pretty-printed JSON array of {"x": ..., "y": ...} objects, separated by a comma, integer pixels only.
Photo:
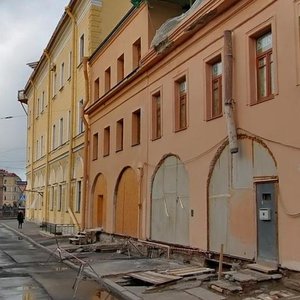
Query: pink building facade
[{"x": 161, "y": 126}]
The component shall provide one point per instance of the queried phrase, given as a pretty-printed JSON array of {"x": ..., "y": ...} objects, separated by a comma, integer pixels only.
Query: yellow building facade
[{"x": 55, "y": 94}]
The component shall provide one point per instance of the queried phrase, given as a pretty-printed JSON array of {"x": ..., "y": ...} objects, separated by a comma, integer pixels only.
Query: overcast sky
[{"x": 25, "y": 29}]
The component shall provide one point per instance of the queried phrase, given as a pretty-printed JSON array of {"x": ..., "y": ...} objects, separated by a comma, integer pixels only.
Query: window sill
[
  {"x": 214, "y": 117},
  {"x": 259, "y": 101},
  {"x": 135, "y": 144},
  {"x": 156, "y": 138},
  {"x": 119, "y": 150},
  {"x": 180, "y": 129}
]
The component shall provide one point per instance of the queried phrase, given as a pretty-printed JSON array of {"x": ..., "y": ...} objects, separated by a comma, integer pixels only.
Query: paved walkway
[{"x": 109, "y": 267}]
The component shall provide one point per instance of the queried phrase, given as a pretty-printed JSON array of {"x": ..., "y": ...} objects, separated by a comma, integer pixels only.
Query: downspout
[
  {"x": 228, "y": 101},
  {"x": 32, "y": 145},
  {"x": 71, "y": 121},
  {"x": 86, "y": 145},
  {"x": 46, "y": 194}
]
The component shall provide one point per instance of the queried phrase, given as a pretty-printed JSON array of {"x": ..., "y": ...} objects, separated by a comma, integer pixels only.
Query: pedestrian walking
[{"x": 20, "y": 219}]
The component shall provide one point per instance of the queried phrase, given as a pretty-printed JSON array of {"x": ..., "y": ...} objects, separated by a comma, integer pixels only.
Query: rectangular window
[
  {"x": 136, "y": 127},
  {"x": 38, "y": 107},
  {"x": 106, "y": 143},
  {"x": 70, "y": 64},
  {"x": 120, "y": 68},
  {"x": 214, "y": 98},
  {"x": 61, "y": 131},
  {"x": 42, "y": 146},
  {"x": 181, "y": 104},
  {"x": 96, "y": 89},
  {"x": 43, "y": 101},
  {"x": 62, "y": 75},
  {"x": 264, "y": 67},
  {"x": 37, "y": 150},
  {"x": 95, "y": 146},
  {"x": 53, "y": 137},
  {"x": 136, "y": 53},
  {"x": 78, "y": 197},
  {"x": 81, "y": 48},
  {"x": 216, "y": 89},
  {"x": 52, "y": 199},
  {"x": 156, "y": 116},
  {"x": 80, "y": 120},
  {"x": 107, "y": 80},
  {"x": 54, "y": 87},
  {"x": 119, "y": 135},
  {"x": 59, "y": 198},
  {"x": 68, "y": 125}
]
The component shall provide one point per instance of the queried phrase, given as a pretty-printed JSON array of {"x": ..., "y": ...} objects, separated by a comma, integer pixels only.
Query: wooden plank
[
  {"x": 189, "y": 271},
  {"x": 262, "y": 268},
  {"x": 154, "y": 277}
]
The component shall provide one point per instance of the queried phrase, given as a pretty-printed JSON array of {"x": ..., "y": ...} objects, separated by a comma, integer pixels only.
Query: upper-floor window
[
  {"x": 264, "y": 67},
  {"x": 216, "y": 89},
  {"x": 53, "y": 136},
  {"x": 70, "y": 64},
  {"x": 96, "y": 89},
  {"x": 180, "y": 104},
  {"x": 214, "y": 102},
  {"x": 81, "y": 48},
  {"x": 61, "y": 131},
  {"x": 156, "y": 116},
  {"x": 38, "y": 107},
  {"x": 95, "y": 146},
  {"x": 54, "y": 84},
  {"x": 62, "y": 75},
  {"x": 119, "y": 135},
  {"x": 42, "y": 151},
  {"x": 107, "y": 80},
  {"x": 136, "y": 53},
  {"x": 106, "y": 142},
  {"x": 80, "y": 118},
  {"x": 120, "y": 68},
  {"x": 43, "y": 101},
  {"x": 37, "y": 155},
  {"x": 136, "y": 127}
]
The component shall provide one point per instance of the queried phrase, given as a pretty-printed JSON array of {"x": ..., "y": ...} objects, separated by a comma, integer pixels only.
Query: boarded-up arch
[
  {"x": 126, "y": 207},
  {"x": 232, "y": 211},
  {"x": 170, "y": 203},
  {"x": 99, "y": 202}
]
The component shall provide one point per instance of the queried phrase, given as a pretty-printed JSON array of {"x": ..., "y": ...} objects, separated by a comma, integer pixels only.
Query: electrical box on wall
[{"x": 265, "y": 214}]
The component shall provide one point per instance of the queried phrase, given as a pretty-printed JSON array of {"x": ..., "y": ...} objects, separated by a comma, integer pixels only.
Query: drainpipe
[
  {"x": 71, "y": 121},
  {"x": 86, "y": 145},
  {"x": 48, "y": 138},
  {"x": 32, "y": 145},
  {"x": 228, "y": 101}
]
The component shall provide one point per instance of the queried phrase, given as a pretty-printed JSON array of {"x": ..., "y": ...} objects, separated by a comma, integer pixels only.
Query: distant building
[
  {"x": 11, "y": 189},
  {"x": 56, "y": 95}
]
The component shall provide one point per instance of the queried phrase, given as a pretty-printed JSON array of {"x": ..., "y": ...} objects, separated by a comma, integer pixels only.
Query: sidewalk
[
  {"x": 109, "y": 268},
  {"x": 102, "y": 266}
]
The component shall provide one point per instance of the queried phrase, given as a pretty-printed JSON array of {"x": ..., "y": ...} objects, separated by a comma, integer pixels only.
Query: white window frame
[
  {"x": 80, "y": 120},
  {"x": 62, "y": 75},
  {"x": 61, "y": 131}
]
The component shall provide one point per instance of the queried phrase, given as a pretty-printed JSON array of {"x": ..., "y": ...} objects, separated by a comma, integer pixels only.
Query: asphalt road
[{"x": 28, "y": 272}]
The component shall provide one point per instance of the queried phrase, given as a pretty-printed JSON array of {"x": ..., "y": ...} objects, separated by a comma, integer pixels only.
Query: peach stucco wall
[{"x": 275, "y": 122}]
